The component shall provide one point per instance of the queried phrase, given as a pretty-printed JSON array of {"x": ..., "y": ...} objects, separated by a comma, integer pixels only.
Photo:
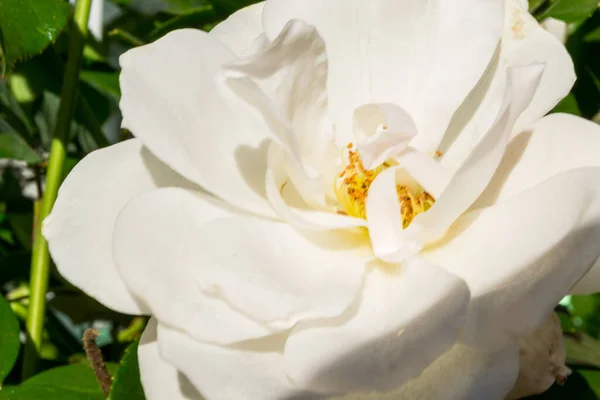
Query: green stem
[{"x": 40, "y": 261}]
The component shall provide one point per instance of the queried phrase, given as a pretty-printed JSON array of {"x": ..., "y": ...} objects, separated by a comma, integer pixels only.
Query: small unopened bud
[{"x": 542, "y": 360}]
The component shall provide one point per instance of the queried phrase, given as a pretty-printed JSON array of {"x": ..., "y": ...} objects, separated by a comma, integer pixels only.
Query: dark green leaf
[
  {"x": 568, "y": 105},
  {"x": 593, "y": 379},
  {"x": 195, "y": 18},
  {"x": 72, "y": 382},
  {"x": 28, "y": 26},
  {"x": 9, "y": 338},
  {"x": 13, "y": 146},
  {"x": 593, "y": 36},
  {"x": 126, "y": 383},
  {"x": 571, "y": 10},
  {"x": 226, "y": 7},
  {"x": 106, "y": 83}
]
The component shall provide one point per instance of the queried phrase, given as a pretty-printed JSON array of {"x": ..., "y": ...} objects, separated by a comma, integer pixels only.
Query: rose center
[{"x": 352, "y": 185}]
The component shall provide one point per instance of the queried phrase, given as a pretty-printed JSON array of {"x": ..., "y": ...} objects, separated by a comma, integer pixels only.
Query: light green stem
[{"x": 40, "y": 261}]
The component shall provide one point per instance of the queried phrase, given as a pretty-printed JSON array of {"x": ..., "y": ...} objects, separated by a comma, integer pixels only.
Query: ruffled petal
[
  {"x": 161, "y": 380},
  {"x": 277, "y": 275},
  {"x": 171, "y": 102},
  {"x": 405, "y": 318},
  {"x": 521, "y": 256},
  {"x": 250, "y": 371},
  {"x": 524, "y": 42},
  {"x": 464, "y": 187},
  {"x": 240, "y": 29},
  {"x": 462, "y": 373},
  {"x": 400, "y": 52},
  {"x": 290, "y": 205},
  {"x": 154, "y": 241},
  {"x": 80, "y": 228},
  {"x": 556, "y": 143}
]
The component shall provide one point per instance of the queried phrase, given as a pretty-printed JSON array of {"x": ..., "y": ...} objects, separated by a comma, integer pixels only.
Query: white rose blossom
[{"x": 339, "y": 198}]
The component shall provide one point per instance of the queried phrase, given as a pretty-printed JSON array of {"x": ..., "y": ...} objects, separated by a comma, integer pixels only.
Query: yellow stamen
[{"x": 352, "y": 188}]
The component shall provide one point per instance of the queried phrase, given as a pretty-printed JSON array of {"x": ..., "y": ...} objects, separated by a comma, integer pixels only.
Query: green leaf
[
  {"x": 13, "y": 146},
  {"x": 28, "y": 26},
  {"x": 9, "y": 338},
  {"x": 568, "y": 105},
  {"x": 226, "y": 7},
  {"x": 582, "y": 350},
  {"x": 593, "y": 379},
  {"x": 126, "y": 383},
  {"x": 72, "y": 382},
  {"x": 106, "y": 83},
  {"x": 593, "y": 36},
  {"x": 196, "y": 18},
  {"x": 571, "y": 10}
]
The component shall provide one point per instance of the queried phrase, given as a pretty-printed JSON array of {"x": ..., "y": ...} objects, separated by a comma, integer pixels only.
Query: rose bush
[{"x": 339, "y": 198}]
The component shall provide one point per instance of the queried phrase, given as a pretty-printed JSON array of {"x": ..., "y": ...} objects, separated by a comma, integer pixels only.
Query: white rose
[{"x": 236, "y": 217}]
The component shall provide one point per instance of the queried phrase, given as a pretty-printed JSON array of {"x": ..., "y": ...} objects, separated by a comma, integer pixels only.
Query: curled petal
[{"x": 193, "y": 129}]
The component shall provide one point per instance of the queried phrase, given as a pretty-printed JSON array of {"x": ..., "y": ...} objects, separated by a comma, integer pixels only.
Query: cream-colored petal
[
  {"x": 171, "y": 103},
  {"x": 80, "y": 227}
]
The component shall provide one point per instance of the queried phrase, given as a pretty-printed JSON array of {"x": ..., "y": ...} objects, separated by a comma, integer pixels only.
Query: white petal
[
  {"x": 475, "y": 174},
  {"x": 399, "y": 52},
  {"x": 524, "y": 42},
  {"x": 290, "y": 206},
  {"x": 155, "y": 240},
  {"x": 172, "y": 104},
  {"x": 559, "y": 29},
  {"x": 285, "y": 81},
  {"x": 528, "y": 42},
  {"x": 240, "y": 29},
  {"x": 555, "y": 144},
  {"x": 521, "y": 256},
  {"x": 381, "y": 132},
  {"x": 80, "y": 228},
  {"x": 276, "y": 275},
  {"x": 159, "y": 379},
  {"x": 384, "y": 216},
  {"x": 406, "y": 317},
  {"x": 590, "y": 283},
  {"x": 462, "y": 373},
  {"x": 253, "y": 371}
]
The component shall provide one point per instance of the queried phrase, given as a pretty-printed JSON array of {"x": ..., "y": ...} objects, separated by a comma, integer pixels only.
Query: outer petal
[
  {"x": 554, "y": 144},
  {"x": 189, "y": 254},
  {"x": 240, "y": 29},
  {"x": 154, "y": 241},
  {"x": 524, "y": 42},
  {"x": 251, "y": 371},
  {"x": 80, "y": 228},
  {"x": 171, "y": 103},
  {"x": 462, "y": 373},
  {"x": 406, "y": 317},
  {"x": 521, "y": 256},
  {"x": 557, "y": 143},
  {"x": 400, "y": 52},
  {"x": 161, "y": 380}
]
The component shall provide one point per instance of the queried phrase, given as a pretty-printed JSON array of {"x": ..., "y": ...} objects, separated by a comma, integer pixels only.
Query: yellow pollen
[{"x": 352, "y": 188}]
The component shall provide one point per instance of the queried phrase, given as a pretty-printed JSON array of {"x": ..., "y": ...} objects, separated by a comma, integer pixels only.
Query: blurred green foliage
[{"x": 33, "y": 37}]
